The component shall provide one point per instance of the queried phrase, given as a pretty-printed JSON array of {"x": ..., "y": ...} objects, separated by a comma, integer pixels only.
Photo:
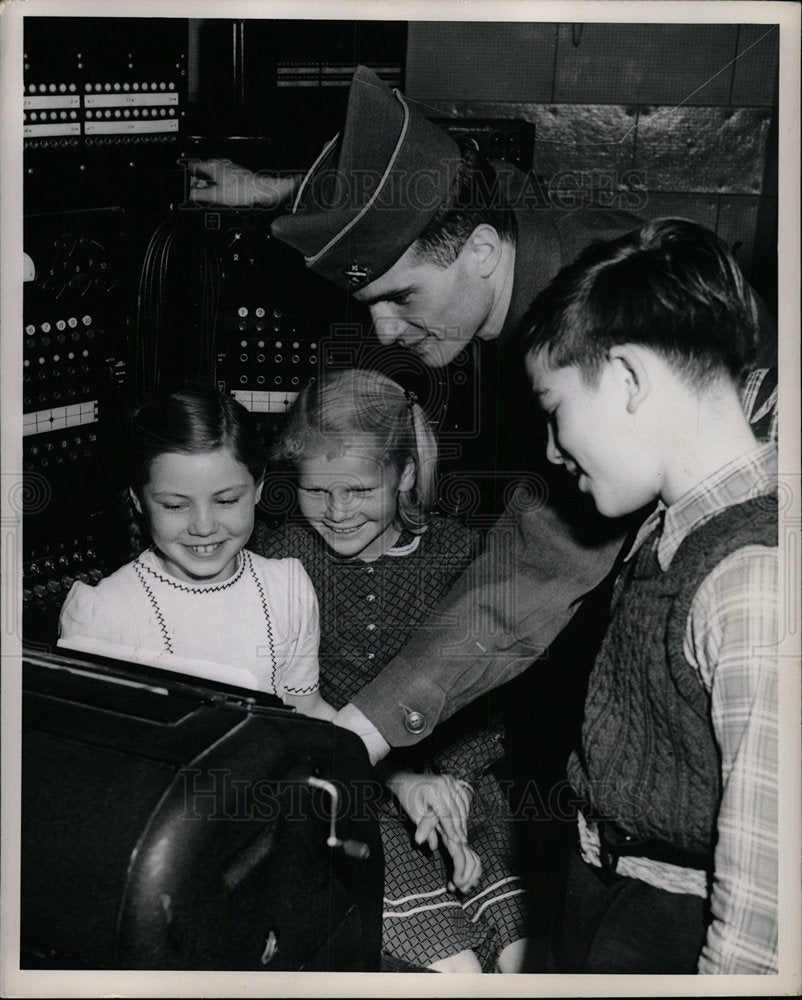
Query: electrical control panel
[
  {"x": 271, "y": 355},
  {"x": 104, "y": 106},
  {"x": 75, "y": 333},
  {"x": 109, "y": 82},
  {"x": 105, "y": 126},
  {"x": 275, "y": 317},
  {"x": 508, "y": 139}
]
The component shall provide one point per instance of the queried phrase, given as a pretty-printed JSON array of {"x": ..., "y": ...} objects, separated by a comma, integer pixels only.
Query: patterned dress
[{"x": 368, "y": 611}]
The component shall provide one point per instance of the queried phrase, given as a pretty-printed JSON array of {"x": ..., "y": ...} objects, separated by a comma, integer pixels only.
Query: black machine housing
[{"x": 169, "y": 824}]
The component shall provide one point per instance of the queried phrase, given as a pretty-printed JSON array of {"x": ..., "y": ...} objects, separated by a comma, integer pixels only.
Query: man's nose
[
  {"x": 553, "y": 453},
  {"x": 388, "y": 327},
  {"x": 203, "y": 521}
]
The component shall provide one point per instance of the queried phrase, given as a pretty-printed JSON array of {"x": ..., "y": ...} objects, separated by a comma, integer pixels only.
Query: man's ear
[
  {"x": 632, "y": 373},
  {"x": 134, "y": 500},
  {"x": 485, "y": 246},
  {"x": 408, "y": 476}
]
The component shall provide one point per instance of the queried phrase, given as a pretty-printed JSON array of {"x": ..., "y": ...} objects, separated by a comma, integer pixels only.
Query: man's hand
[{"x": 222, "y": 182}]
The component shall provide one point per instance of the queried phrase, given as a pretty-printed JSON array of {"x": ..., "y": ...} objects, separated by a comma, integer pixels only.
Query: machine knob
[
  {"x": 355, "y": 849},
  {"x": 233, "y": 237}
]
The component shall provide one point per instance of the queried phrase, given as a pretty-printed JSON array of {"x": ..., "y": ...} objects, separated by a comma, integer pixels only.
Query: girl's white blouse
[{"x": 258, "y": 629}]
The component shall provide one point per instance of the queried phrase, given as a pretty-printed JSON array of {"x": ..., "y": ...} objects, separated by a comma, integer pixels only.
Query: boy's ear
[
  {"x": 632, "y": 373},
  {"x": 407, "y": 480},
  {"x": 259, "y": 484},
  {"x": 134, "y": 500}
]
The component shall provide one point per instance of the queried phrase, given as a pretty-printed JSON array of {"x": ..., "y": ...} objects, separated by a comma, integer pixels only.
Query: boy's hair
[
  {"x": 365, "y": 409},
  {"x": 670, "y": 285},
  {"x": 191, "y": 422},
  {"x": 475, "y": 197}
]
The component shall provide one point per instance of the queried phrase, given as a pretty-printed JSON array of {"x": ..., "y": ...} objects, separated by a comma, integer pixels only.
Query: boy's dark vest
[{"x": 649, "y": 760}]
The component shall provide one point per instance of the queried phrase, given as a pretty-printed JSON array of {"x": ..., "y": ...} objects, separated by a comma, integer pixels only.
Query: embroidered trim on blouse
[
  {"x": 244, "y": 559},
  {"x": 157, "y": 611},
  {"x": 268, "y": 624},
  {"x": 202, "y": 588},
  {"x": 306, "y": 690}
]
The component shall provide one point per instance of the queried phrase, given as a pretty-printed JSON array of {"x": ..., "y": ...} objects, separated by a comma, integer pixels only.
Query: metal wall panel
[
  {"x": 577, "y": 137},
  {"x": 507, "y": 61},
  {"x": 676, "y": 114},
  {"x": 645, "y": 63},
  {"x": 703, "y": 149},
  {"x": 595, "y": 138},
  {"x": 755, "y": 78}
]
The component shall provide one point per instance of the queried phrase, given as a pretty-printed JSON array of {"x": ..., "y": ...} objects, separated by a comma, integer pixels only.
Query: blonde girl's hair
[{"x": 359, "y": 407}]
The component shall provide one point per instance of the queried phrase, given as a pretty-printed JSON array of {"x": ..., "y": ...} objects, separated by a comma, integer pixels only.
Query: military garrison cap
[{"x": 373, "y": 188}]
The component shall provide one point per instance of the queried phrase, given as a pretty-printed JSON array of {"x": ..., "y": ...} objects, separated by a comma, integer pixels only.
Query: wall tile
[
  {"x": 501, "y": 61},
  {"x": 755, "y": 78},
  {"x": 645, "y": 63},
  {"x": 703, "y": 149},
  {"x": 593, "y": 138}
]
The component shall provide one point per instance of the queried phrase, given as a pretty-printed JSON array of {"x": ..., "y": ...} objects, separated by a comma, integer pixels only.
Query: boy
[{"x": 636, "y": 353}]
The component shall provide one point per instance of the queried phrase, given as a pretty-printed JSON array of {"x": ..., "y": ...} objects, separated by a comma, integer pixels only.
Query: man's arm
[
  {"x": 502, "y": 614},
  {"x": 732, "y": 635},
  {"x": 222, "y": 182}
]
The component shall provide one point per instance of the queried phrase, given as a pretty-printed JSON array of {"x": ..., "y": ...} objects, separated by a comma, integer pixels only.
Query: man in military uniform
[{"x": 443, "y": 247}]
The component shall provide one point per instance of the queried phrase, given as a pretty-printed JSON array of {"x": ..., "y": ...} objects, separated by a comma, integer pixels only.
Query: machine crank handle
[{"x": 350, "y": 848}]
